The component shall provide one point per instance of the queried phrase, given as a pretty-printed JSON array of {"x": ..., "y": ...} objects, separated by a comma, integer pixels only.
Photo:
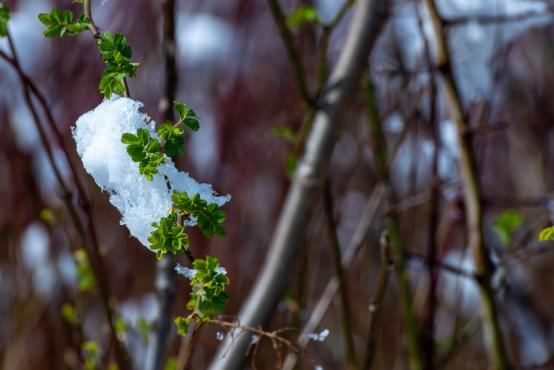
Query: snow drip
[{"x": 140, "y": 201}]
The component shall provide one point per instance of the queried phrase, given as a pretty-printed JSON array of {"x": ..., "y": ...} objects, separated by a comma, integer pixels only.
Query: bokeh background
[{"x": 234, "y": 72}]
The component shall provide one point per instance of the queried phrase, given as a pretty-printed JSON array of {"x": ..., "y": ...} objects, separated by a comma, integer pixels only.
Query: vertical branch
[
  {"x": 92, "y": 247},
  {"x": 470, "y": 181},
  {"x": 375, "y": 305},
  {"x": 397, "y": 250},
  {"x": 429, "y": 321},
  {"x": 165, "y": 277},
  {"x": 293, "y": 56},
  {"x": 311, "y": 170},
  {"x": 346, "y": 325}
]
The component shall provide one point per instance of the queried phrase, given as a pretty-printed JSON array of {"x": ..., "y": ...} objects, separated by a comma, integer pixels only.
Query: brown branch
[{"x": 470, "y": 180}]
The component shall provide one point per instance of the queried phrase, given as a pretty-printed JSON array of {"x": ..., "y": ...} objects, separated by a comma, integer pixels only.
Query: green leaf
[
  {"x": 4, "y": 19},
  {"x": 284, "y": 133},
  {"x": 186, "y": 115},
  {"x": 208, "y": 216},
  {"x": 69, "y": 314},
  {"x": 173, "y": 139},
  {"x": 302, "y": 15},
  {"x": 290, "y": 164},
  {"x": 85, "y": 276},
  {"x": 145, "y": 150},
  {"x": 182, "y": 324},
  {"x": 168, "y": 237},
  {"x": 547, "y": 234},
  {"x": 61, "y": 24},
  {"x": 91, "y": 354},
  {"x": 505, "y": 224},
  {"x": 116, "y": 55}
]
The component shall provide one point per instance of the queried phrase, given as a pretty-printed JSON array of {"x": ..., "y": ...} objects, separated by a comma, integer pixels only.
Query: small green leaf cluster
[
  {"x": 302, "y": 15},
  {"x": 61, "y": 24},
  {"x": 547, "y": 234},
  {"x": 208, "y": 294},
  {"x": 505, "y": 224},
  {"x": 4, "y": 19},
  {"x": 117, "y": 56},
  {"x": 69, "y": 313},
  {"x": 172, "y": 134},
  {"x": 145, "y": 150},
  {"x": 209, "y": 217},
  {"x": 91, "y": 354},
  {"x": 85, "y": 275},
  {"x": 168, "y": 236}
]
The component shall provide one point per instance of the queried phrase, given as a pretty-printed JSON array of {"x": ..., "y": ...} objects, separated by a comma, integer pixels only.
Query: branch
[
  {"x": 92, "y": 247},
  {"x": 358, "y": 240},
  {"x": 165, "y": 276},
  {"x": 346, "y": 325},
  {"x": 311, "y": 170},
  {"x": 294, "y": 57},
  {"x": 469, "y": 177}
]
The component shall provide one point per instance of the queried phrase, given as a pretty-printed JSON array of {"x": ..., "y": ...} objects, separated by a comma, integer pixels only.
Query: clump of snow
[
  {"x": 185, "y": 271},
  {"x": 319, "y": 337},
  {"x": 219, "y": 336},
  {"x": 140, "y": 201}
]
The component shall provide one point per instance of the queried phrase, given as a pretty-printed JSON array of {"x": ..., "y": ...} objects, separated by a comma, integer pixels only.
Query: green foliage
[
  {"x": 208, "y": 283},
  {"x": 208, "y": 296},
  {"x": 117, "y": 56},
  {"x": 302, "y": 15},
  {"x": 284, "y": 133},
  {"x": 182, "y": 324},
  {"x": 168, "y": 236},
  {"x": 143, "y": 328},
  {"x": 4, "y": 19},
  {"x": 547, "y": 234},
  {"x": 505, "y": 224},
  {"x": 120, "y": 328},
  {"x": 209, "y": 216},
  {"x": 91, "y": 354},
  {"x": 145, "y": 150},
  {"x": 69, "y": 313},
  {"x": 61, "y": 24},
  {"x": 186, "y": 115},
  {"x": 171, "y": 364},
  {"x": 291, "y": 162},
  {"x": 85, "y": 276},
  {"x": 173, "y": 139}
]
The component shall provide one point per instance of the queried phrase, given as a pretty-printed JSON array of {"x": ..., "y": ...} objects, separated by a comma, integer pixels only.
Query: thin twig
[
  {"x": 346, "y": 325},
  {"x": 376, "y": 301},
  {"x": 470, "y": 179},
  {"x": 293, "y": 56}
]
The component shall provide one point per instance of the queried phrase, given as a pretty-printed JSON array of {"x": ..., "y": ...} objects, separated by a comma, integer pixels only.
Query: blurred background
[{"x": 234, "y": 72}]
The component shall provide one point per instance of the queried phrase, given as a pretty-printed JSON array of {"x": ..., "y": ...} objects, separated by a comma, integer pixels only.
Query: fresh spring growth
[
  {"x": 168, "y": 236},
  {"x": 4, "y": 19},
  {"x": 547, "y": 234},
  {"x": 172, "y": 134},
  {"x": 208, "y": 294},
  {"x": 145, "y": 150},
  {"x": 91, "y": 354},
  {"x": 117, "y": 56},
  {"x": 141, "y": 202},
  {"x": 61, "y": 24}
]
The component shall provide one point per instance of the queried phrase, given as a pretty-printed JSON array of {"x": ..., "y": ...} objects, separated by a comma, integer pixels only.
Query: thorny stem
[
  {"x": 92, "y": 249},
  {"x": 470, "y": 180},
  {"x": 346, "y": 324}
]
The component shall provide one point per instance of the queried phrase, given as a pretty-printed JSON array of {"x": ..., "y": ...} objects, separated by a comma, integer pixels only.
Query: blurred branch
[
  {"x": 495, "y": 19},
  {"x": 470, "y": 180},
  {"x": 397, "y": 249},
  {"x": 358, "y": 240},
  {"x": 292, "y": 53},
  {"x": 467, "y": 333},
  {"x": 165, "y": 276},
  {"x": 346, "y": 325},
  {"x": 311, "y": 170},
  {"x": 376, "y": 301},
  {"x": 92, "y": 246}
]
